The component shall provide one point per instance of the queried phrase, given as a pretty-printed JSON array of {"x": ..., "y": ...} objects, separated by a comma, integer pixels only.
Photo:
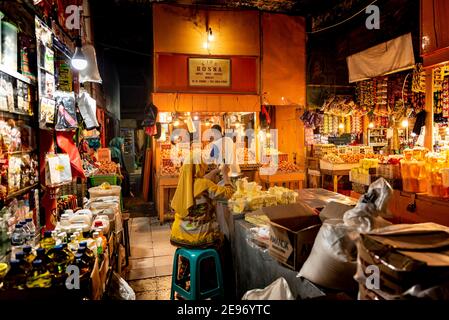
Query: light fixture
[
  {"x": 371, "y": 125},
  {"x": 268, "y": 135},
  {"x": 196, "y": 118},
  {"x": 404, "y": 123},
  {"x": 341, "y": 126},
  {"x": 79, "y": 61},
  {"x": 210, "y": 36},
  {"x": 206, "y": 45}
]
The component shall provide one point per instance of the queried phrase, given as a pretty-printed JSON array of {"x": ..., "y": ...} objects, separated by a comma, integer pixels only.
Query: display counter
[
  {"x": 409, "y": 207},
  {"x": 254, "y": 267}
]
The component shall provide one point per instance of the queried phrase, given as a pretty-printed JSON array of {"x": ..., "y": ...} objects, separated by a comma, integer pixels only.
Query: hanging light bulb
[
  {"x": 196, "y": 118},
  {"x": 79, "y": 61},
  {"x": 371, "y": 125},
  {"x": 210, "y": 35},
  {"x": 341, "y": 126},
  {"x": 205, "y": 45},
  {"x": 404, "y": 123}
]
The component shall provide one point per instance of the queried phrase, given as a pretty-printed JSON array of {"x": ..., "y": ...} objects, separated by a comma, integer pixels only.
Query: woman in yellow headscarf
[{"x": 195, "y": 222}]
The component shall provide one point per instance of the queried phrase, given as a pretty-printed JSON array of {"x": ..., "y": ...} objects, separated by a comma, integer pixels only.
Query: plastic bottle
[
  {"x": 90, "y": 260},
  {"x": 89, "y": 252},
  {"x": 32, "y": 230},
  {"x": 18, "y": 236},
  {"x": 102, "y": 236},
  {"x": 73, "y": 244},
  {"x": 41, "y": 255},
  {"x": 29, "y": 256},
  {"x": 24, "y": 264},
  {"x": 83, "y": 266},
  {"x": 39, "y": 277},
  {"x": 59, "y": 260},
  {"x": 48, "y": 242},
  {"x": 15, "y": 278}
]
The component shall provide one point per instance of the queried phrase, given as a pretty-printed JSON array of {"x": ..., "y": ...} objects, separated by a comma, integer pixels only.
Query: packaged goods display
[{"x": 249, "y": 196}]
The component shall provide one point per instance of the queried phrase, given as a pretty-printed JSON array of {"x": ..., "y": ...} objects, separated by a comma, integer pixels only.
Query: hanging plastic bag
[
  {"x": 91, "y": 73},
  {"x": 88, "y": 109},
  {"x": 278, "y": 290},
  {"x": 66, "y": 111},
  {"x": 120, "y": 289}
]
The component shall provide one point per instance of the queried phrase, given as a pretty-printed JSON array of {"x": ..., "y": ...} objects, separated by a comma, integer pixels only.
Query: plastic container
[
  {"x": 9, "y": 46},
  {"x": 97, "y": 180},
  {"x": 97, "y": 192},
  {"x": 435, "y": 164}
]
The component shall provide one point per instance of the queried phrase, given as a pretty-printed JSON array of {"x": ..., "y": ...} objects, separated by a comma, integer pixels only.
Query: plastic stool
[
  {"x": 195, "y": 257},
  {"x": 125, "y": 218}
]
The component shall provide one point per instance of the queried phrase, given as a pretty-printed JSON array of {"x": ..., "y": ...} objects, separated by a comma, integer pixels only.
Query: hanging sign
[{"x": 209, "y": 72}]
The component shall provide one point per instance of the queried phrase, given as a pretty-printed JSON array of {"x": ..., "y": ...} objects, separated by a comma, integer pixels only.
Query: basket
[{"x": 97, "y": 180}]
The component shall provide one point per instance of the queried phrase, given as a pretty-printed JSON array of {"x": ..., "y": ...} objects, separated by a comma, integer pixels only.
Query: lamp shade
[{"x": 79, "y": 61}]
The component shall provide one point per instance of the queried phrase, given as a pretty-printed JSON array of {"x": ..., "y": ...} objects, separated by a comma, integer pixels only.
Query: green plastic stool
[{"x": 195, "y": 257}]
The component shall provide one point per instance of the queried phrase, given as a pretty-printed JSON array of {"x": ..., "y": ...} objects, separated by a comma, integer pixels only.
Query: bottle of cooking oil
[
  {"x": 24, "y": 264},
  {"x": 29, "y": 256},
  {"x": 47, "y": 242},
  {"x": 60, "y": 260},
  {"x": 15, "y": 278},
  {"x": 39, "y": 277}
]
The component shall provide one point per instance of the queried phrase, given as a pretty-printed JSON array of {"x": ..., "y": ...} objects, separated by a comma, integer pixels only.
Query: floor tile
[
  {"x": 145, "y": 285},
  {"x": 148, "y": 295},
  {"x": 163, "y": 250},
  {"x": 163, "y": 260},
  {"x": 141, "y": 251},
  {"x": 141, "y": 238},
  {"x": 163, "y": 294},
  {"x": 141, "y": 263},
  {"x": 165, "y": 270},
  {"x": 135, "y": 274},
  {"x": 164, "y": 283}
]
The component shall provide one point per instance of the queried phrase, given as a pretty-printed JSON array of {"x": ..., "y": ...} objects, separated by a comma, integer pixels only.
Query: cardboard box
[
  {"x": 334, "y": 210},
  {"x": 293, "y": 231}
]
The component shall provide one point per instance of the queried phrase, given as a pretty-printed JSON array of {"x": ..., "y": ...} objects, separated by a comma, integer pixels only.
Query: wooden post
[{"x": 428, "y": 138}]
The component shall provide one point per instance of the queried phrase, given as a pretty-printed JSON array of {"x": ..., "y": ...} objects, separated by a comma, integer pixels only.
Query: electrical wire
[{"x": 341, "y": 22}]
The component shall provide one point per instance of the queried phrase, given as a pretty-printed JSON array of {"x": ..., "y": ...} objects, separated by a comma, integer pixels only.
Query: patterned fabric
[{"x": 199, "y": 228}]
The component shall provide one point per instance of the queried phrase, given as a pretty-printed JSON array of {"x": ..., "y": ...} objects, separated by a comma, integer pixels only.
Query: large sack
[{"x": 333, "y": 260}]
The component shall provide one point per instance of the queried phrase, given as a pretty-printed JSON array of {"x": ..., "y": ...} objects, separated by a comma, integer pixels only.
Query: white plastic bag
[
  {"x": 278, "y": 290},
  {"x": 373, "y": 204},
  {"x": 120, "y": 289}
]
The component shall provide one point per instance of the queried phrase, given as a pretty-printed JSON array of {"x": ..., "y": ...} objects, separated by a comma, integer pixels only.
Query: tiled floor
[{"x": 151, "y": 260}]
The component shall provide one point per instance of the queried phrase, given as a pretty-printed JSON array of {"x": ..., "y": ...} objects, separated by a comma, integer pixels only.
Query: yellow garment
[
  {"x": 186, "y": 191},
  {"x": 195, "y": 221}
]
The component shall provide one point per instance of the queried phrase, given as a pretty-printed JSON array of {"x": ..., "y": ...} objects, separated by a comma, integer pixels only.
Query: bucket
[{"x": 9, "y": 46}]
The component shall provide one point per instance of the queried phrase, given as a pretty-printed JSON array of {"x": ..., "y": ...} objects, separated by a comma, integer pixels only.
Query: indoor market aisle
[{"x": 150, "y": 264}]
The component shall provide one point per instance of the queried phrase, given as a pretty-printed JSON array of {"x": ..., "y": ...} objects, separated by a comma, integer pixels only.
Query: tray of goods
[
  {"x": 107, "y": 168},
  {"x": 286, "y": 167}
]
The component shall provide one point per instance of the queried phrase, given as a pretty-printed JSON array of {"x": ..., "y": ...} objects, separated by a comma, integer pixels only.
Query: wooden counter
[
  {"x": 418, "y": 208},
  {"x": 293, "y": 180}
]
